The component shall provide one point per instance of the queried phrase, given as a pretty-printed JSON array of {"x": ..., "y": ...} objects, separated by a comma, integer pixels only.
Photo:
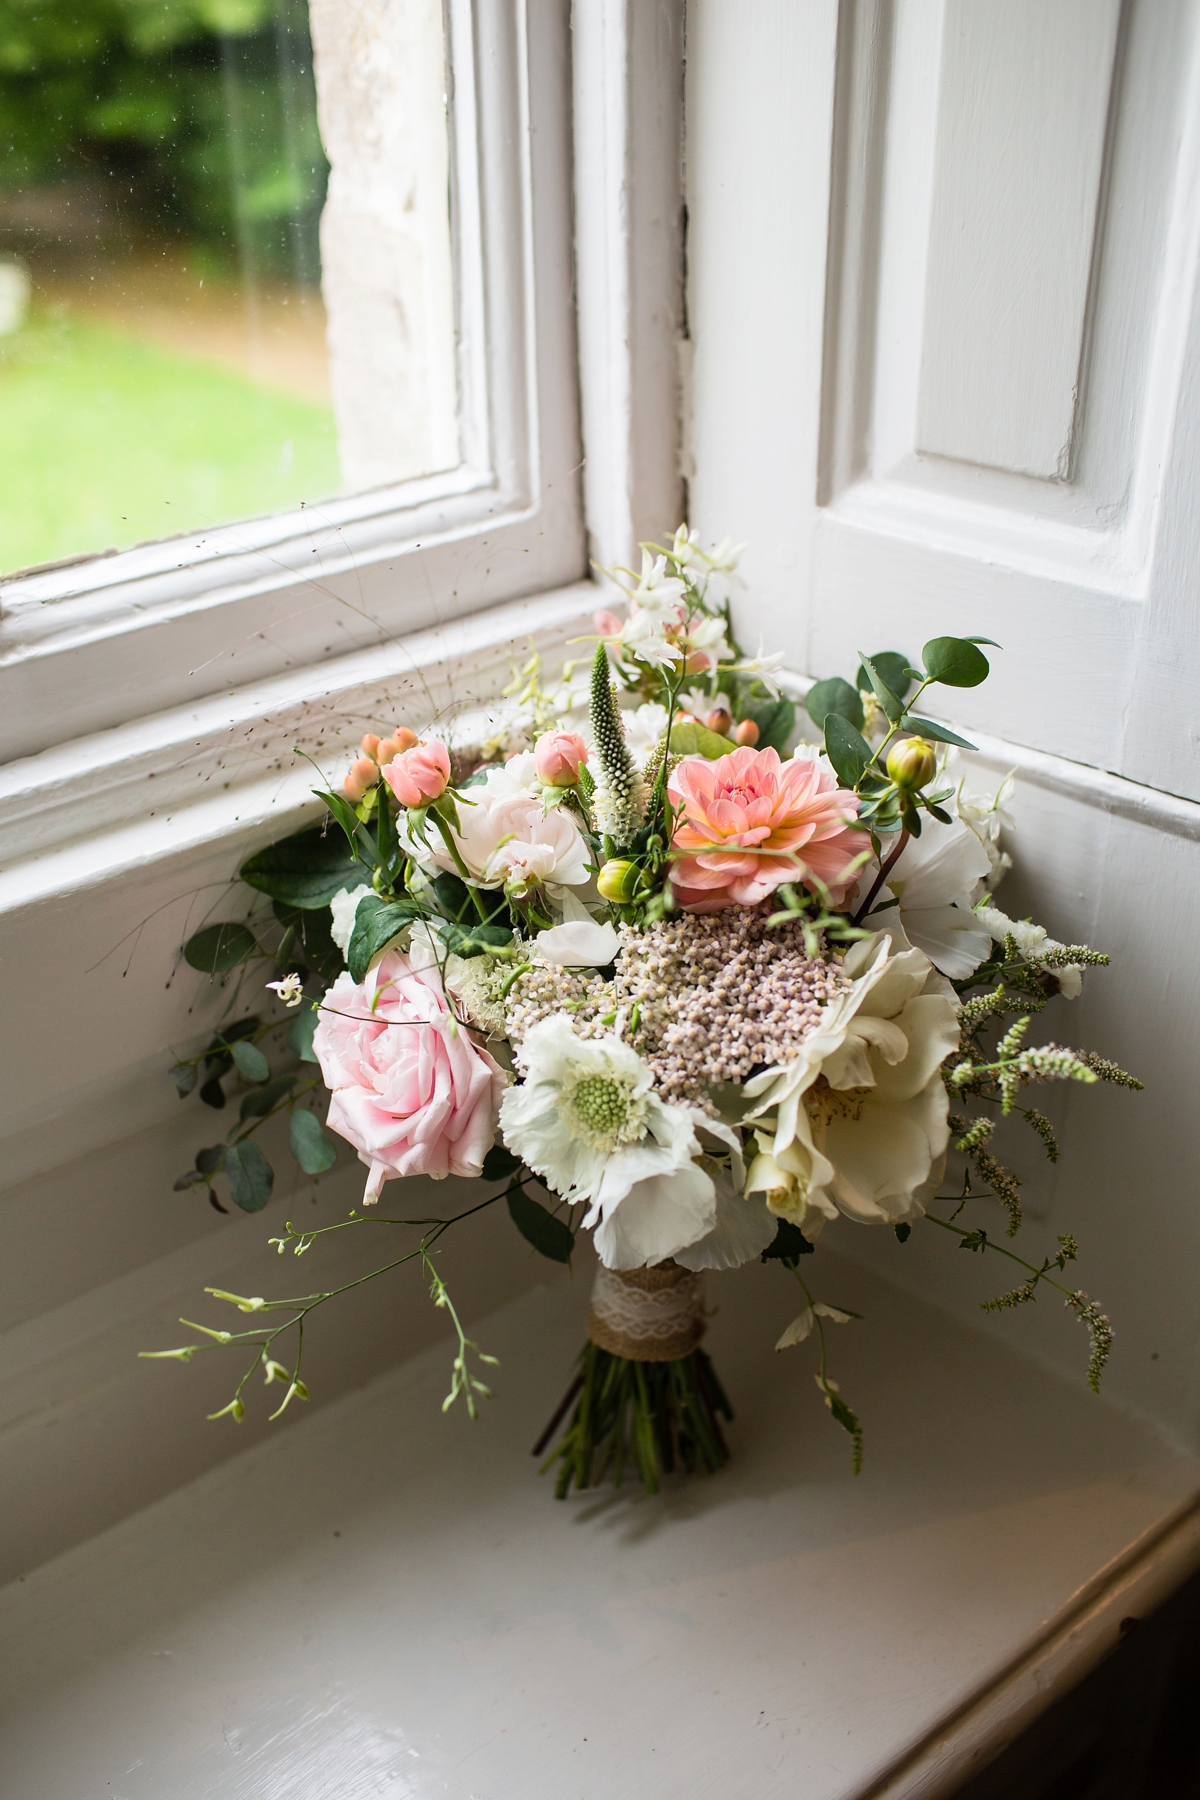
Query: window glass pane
[{"x": 225, "y": 263}]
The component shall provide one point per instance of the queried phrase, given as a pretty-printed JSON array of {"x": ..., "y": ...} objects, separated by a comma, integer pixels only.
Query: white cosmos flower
[
  {"x": 343, "y": 906},
  {"x": 1033, "y": 941},
  {"x": 587, "y": 1120},
  {"x": 656, "y": 591},
  {"x": 644, "y": 634},
  {"x": 860, "y": 1115},
  {"x": 934, "y": 880},
  {"x": 507, "y": 839}
]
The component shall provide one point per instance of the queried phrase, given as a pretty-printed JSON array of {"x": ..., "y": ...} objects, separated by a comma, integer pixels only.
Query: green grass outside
[{"x": 106, "y": 440}]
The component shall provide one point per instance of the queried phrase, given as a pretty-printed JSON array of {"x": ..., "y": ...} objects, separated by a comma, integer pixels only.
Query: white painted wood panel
[{"x": 1022, "y": 109}]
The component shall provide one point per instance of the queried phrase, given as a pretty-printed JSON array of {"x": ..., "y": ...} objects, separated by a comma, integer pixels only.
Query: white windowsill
[{"x": 381, "y": 1600}]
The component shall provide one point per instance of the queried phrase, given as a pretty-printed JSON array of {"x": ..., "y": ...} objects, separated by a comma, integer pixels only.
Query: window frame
[{"x": 122, "y": 634}]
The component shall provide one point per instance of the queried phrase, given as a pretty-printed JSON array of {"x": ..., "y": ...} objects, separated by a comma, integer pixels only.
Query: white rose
[{"x": 861, "y": 1113}]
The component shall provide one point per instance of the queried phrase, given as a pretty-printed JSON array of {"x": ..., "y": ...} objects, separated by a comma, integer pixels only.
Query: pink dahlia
[{"x": 748, "y": 822}]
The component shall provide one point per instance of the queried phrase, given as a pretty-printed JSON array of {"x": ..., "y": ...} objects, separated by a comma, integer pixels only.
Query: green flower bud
[
  {"x": 618, "y": 881},
  {"x": 911, "y": 763}
]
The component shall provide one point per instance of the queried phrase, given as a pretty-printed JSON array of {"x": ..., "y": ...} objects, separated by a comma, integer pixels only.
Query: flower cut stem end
[{"x": 649, "y": 1417}]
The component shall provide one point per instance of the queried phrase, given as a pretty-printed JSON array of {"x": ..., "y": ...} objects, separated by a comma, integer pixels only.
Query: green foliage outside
[
  {"x": 145, "y": 443},
  {"x": 199, "y": 114}
]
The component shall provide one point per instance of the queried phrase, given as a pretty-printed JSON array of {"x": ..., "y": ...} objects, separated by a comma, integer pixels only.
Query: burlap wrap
[{"x": 647, "y": 1315}]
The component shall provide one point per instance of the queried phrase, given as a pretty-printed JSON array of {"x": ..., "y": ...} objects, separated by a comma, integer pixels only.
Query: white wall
[{"x": 824, "y": 343}]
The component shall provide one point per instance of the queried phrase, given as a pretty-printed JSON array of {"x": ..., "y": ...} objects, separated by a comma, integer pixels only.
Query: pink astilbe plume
[{"x": 748, "y": 822}]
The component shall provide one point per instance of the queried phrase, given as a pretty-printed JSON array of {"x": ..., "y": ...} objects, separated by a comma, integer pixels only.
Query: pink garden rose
[
  {"x": 558, "y": 757},
  {"x": 409, "y": 1089},
  {"x": 419, "y": 775},
  {"x": 749, "y": 822}
]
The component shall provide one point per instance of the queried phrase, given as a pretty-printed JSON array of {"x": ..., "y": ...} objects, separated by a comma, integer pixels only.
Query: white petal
[
  {"x": 798, "y": 1330},
  {"x": 657, "y": 1219},
  {"x": 745, "y": 1225},
  {"x": 579, "y": 944}
]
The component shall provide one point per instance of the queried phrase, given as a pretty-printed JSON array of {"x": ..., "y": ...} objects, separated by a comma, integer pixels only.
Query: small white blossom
[
  {"x": 290, "y": 989},
  {"x": 1033, "y": 942}
]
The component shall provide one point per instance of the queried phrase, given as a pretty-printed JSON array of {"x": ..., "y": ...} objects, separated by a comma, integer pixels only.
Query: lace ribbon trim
[{"x": 647, "y": 1315}]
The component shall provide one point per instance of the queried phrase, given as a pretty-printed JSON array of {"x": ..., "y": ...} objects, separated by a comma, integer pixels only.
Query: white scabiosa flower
[
  {"x": 343, "y": 906},
  {"x": 587, "y": 1120}
]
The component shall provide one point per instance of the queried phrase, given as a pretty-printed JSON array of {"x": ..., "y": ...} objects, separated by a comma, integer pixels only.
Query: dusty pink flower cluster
[{"x": 705, "y": 999}]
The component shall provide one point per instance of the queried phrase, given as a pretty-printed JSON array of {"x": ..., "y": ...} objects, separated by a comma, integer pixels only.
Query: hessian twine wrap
[{"x": 647, "y": 1315}]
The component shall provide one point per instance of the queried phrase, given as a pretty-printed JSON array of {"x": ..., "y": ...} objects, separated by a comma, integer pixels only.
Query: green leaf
[
  {"x": 312, "y": 1146},
  {"x": 939, "y": 733},
  {"x": 193, "y": 1178},
  {"x": 833, "y": 695},
  {"x": 312, "y": 944},
  {"x": 548, "y": 1235},
  {"x": 475, "y": 940},
  {"x": 344, "y": 813},
  {"x": 956, "y": 662},
  {"x": 219, "y": 948},
  {"x": 776, "y": 721},
  {"x": 251, "y": 1176},
  {"x": 891, "y": 703},
  {"x": 212, "y": 1093},
  {"x": 689, "y": 738},
  {"x": 184, "y": 1076},
  {"x": 892, "y": 669},
  {"x": 788, "y": 1244},
  {"x": 903, "y": 1231},
  {"x": 375, "y": 923},
  {"x": 847, "y": 749},
  {"x": 258, "y": 1103},
  {"x": 305, "y": 870},
  {"x": 211, "y": 1161},
  {"x": 252, "y": 1065},
  {"x": 300, "y": 1037},
  {"x": 499, "y": 1162},
  {"x": 455, "y": 900}
]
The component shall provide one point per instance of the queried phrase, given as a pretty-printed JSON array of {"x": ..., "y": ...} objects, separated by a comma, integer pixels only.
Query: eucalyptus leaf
[
  {"x": 475, "y": 940},
  {"x": 212, "y": 1093},
  {"x": 548, "y": 1235},
  {"x": 955, "y": 662},
  {"x": 788, "y": 1244},
  {"x": 499, "y": 1162},
  {"x": 300, "y": 1037},
  {"x": 312, "y": 942},
  {"x": 776, "y": 721},
  {"x": 192, "y": 1178},
  {"x": 847, "y": 749},
  {"x": 941, "y": 734},
  {"x": 834, "y": 695},
  {"x": 376, "y": 922},
  {"x": 305, "y": 870},
  {"x": 690, "y": 738},
  {"x": 184, "y": 1075},
  {"x": 891, "y": 703},
  {"x": 219, "y": 948},
  {"x": 893, "y": 671},
  {"x": 251, "y": 1064},
  {"x": 211, "y": 1161},
  {"x": 311, "y": 1144},
  {"x": 251, "y": 1176},
  {"x": 258, "y": 1103}
]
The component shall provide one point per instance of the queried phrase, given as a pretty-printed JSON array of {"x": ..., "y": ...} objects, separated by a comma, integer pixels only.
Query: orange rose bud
[
  {"x": 719, "y": 720},
  {"x": 747, "y": 733},
  {"x": 395, "y": 746},
  {"x": 370, "y": 745},
  {"x": 363, "y": 775}
]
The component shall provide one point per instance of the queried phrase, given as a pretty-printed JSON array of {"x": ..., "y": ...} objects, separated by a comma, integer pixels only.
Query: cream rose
[{"x": 860, "y": 1116}]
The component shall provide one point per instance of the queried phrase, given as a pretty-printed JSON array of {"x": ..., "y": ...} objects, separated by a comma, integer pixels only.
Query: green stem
[
  {"x": 460, "y": 865},
  {"x": 1030, "y": 1268}
]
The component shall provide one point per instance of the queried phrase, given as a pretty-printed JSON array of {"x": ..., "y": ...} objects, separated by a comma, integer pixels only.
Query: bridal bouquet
[{"x": 644, "y": 966}]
